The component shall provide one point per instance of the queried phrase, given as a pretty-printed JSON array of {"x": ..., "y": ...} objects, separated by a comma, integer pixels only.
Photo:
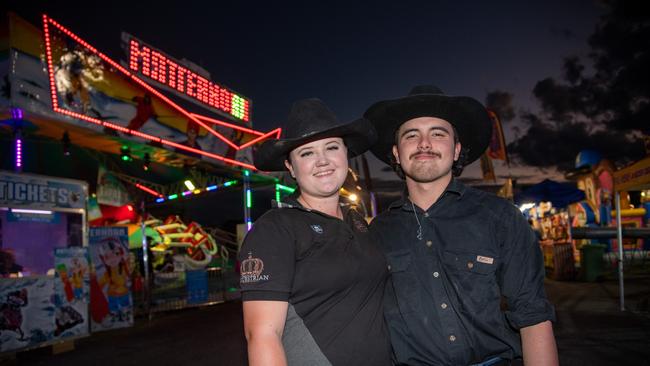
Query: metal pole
[
  {"x": 619, "y": 227},
  {"x": 145, "y": 261}
]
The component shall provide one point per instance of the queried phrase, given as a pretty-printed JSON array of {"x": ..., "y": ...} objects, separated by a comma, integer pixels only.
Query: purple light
[
  {"x": 19, "y": 153},
  {"x": 16, "y": 113}
]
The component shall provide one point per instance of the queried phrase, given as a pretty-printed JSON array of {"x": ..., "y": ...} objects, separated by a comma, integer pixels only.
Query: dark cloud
[
  {"x": 546, "y": 145},
  {"x": 501, "y": 103},
  {"x": 600, "y": 107}
]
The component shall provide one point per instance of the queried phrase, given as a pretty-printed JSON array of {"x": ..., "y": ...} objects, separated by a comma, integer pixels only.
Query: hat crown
[
  {"x": 426, "y": 89},
  {"x": 307, "y": 117}
]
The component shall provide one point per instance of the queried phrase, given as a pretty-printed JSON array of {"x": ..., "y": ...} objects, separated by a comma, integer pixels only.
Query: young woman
[{"x": 312, "y": 280}]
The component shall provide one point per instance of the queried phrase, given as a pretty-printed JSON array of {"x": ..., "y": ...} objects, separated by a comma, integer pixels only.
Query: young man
[{"x": 466, "y": 270}]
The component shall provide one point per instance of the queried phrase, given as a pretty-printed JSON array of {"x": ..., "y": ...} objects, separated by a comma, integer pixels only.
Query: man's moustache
[{"x": 425, "y": 154}]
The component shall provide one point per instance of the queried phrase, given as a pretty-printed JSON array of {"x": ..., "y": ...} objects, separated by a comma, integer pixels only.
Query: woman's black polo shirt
[{"x": 332, "y": 276}]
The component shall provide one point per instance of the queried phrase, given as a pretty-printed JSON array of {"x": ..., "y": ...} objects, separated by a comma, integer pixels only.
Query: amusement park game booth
[
  {"x": 635, "y": 177},
  {"x": 67, "y": 235}
]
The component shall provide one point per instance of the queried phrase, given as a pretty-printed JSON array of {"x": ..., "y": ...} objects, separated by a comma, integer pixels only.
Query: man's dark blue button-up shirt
[{"x": 444, "y": 300}]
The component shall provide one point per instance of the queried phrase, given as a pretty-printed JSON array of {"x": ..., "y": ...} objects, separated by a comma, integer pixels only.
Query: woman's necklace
[{"x": 419, "y": 235}]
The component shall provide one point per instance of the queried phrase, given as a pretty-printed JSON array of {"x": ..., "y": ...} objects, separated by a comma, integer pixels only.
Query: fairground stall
[
  {"x": 164, "y": 158},
  {"x": 43, "y": 260},
  {"x": 635, "y": 177},
  {"x": 546, "y": 205}
]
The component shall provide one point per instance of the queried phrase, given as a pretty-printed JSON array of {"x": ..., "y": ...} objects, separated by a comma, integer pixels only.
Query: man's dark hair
[{"x": 456, "y": 168}]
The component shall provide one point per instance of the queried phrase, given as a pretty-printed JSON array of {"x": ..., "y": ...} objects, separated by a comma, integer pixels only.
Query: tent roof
[{"x": 559, "y": 194}]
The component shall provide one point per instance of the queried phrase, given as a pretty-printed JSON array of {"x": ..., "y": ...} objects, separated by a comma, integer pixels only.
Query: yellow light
[
  {"x": 353, "y": 197},
  {"x": 189, "y": 185}
]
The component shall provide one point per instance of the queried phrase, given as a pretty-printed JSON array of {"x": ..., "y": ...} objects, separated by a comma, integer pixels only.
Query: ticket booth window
[{"x": 28, "y": 239}]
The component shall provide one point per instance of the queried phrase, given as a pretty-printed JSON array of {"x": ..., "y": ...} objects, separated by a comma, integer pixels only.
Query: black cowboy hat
[
  {"x": 310, "y": 120},
  {"x": 467, "y": 115}
]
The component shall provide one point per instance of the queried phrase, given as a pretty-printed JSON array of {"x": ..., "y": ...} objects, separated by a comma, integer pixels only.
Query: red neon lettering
[
  {"x": 159, "y": 67},
  {"x": 213, "y": 93},
  {"x": 181, "y": 79},
  {"x": 202, "y": 89},
  {"x": 172, "y": 67},
  {"x": 140, "y": 56},
  {"x": 191, "y": 84}
]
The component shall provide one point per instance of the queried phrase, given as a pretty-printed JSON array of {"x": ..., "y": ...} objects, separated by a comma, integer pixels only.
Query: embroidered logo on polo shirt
[
  {"x": 486, "y": 260},
  {"x": 317, "y": 228},
  {"x": 251, "y": 270}
]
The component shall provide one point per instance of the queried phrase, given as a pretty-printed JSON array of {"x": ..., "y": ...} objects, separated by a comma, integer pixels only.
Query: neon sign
[
  {"x": 205, "y": 122},
  {"x": 153, "y": 64}
]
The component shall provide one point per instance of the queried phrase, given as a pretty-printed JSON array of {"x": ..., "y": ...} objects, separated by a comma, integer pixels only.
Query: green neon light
[
  {"x": 238, "y": 106},
  {"x": 277, "y": 194},
  {"x": 284, "y": 188},
  {"x": 249, "y": 199},
  {"x": 227, "y": 184},
  {"x": 247, "y": 172},
  {"x": 173, "y": 197}
]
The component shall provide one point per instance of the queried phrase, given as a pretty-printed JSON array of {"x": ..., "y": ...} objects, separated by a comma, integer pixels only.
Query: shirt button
[
  {"x": 443, "y": 305},
  {"x": 470, "y": 265},
  {"x": 452, "y": 338},
  {"x": 429, "y": 243},
  {"x": 389, "y": 267},
  {"x": 436, "y": 274},
  {"x": 426, "y": 214}
]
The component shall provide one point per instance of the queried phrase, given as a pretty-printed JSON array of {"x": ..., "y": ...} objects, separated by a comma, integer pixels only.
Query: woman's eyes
[{"x": 309, "y": 153}]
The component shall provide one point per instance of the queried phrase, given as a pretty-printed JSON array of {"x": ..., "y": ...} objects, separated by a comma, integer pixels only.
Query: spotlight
[
  {"x": 125, "y": 153},
  {"x": 147, "y": 162},
  {"x": 65, "y": 140},
  {"x": 353, "y": 197}
]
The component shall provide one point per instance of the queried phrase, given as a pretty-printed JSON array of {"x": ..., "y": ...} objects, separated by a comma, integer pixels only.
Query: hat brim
[
  {"x": 357, "y": 135},
  {"x": 467, "y": 115}
]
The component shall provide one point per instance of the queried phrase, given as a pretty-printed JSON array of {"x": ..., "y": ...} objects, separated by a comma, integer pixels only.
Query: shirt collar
[
  {"x": 454, "y": 187},
  {"x": 292, "y": 202}
]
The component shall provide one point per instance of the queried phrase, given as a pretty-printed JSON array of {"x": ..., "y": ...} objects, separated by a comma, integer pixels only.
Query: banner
[
  {"x": 71, "y": 292},
  {"x": 111, "y": 304},
  {"x": 497, "y": 148},
  {"x": 25, "y": 312},
  {"x": 35, "y": 191},
  {"x": 110, "y": 190}
]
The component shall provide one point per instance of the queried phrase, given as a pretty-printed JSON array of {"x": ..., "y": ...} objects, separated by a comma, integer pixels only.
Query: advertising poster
[
  {"x": 71, "y": 292},
  {"x": 111, "y": 303},
  {"x": 26, "y": 312}
]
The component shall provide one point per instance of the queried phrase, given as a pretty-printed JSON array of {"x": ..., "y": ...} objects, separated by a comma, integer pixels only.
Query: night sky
[{"x": 348, "y": 54}]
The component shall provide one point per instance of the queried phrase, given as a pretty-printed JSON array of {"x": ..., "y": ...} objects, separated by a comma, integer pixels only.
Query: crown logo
[{"x": 251, "y": 266}]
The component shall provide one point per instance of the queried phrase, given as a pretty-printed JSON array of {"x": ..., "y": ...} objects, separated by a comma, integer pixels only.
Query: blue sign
[
  {"x": 197, "y": 286},
  {"x": 26, "y": 190}
]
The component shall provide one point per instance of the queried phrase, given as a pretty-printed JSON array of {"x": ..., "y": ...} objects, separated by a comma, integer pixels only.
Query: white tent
[{"x": 635, "y": 177}]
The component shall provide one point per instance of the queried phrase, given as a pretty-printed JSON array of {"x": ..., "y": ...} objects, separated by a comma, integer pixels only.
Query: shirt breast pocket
[
  {"x": 474, "y": 275},
  {"x": 405, "y": 283}
]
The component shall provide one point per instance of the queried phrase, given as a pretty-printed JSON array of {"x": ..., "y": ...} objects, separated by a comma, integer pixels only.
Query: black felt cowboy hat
[
  {"x": 467, "y": 115},
  {"x": 310, "y": 120}
]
